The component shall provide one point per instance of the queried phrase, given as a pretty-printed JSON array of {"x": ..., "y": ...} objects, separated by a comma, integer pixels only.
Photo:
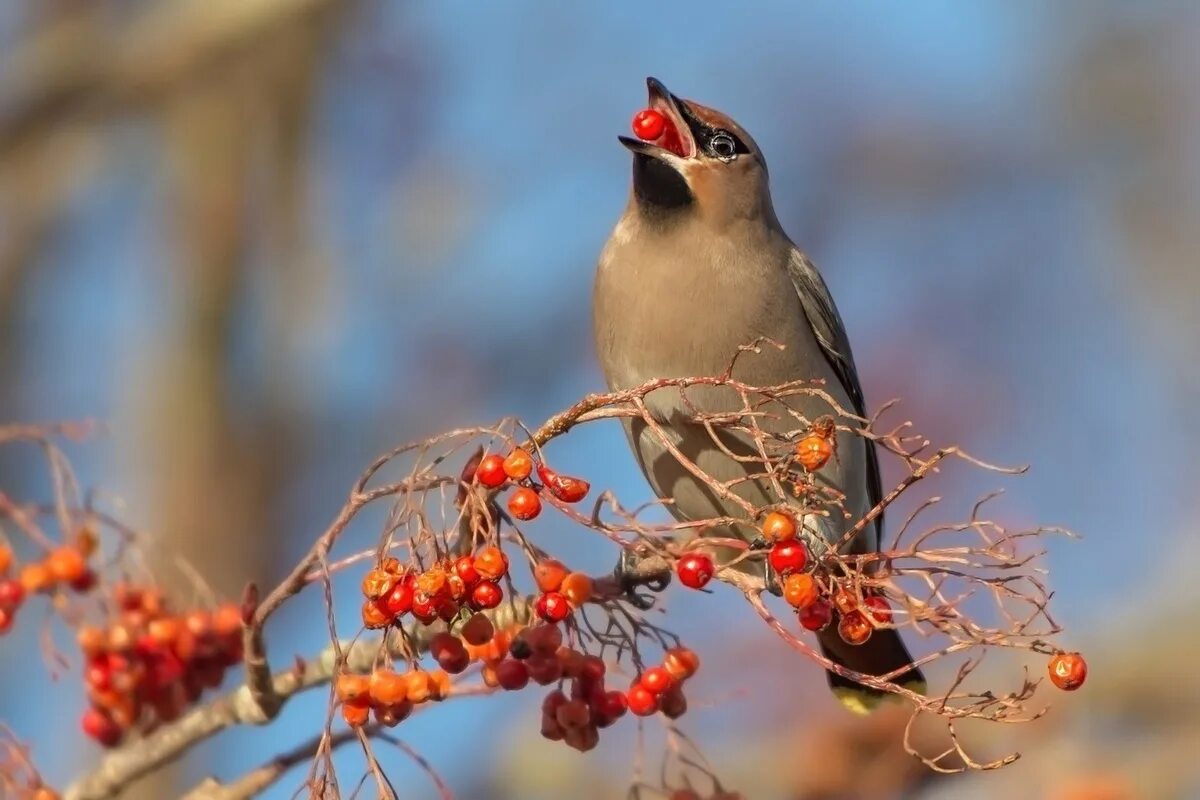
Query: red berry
[
  {"x": 400, "y": 600},
  {"x": 879, "y": 608},
  {"x": 12, "y": 594},
  {"x": 101, "y": 727},
  {"x": 641, "y": 701},
  {"x": 672, "y": 703},
  {"x": 553, "y": 607},
  {"x": 788, "y": 557},
  {"x": 464, "y": 567},
  {"x": 681, "y": 662},
  {"x": 478, "y": 630},
  {"x": 612, "y": 705},
  {"x": 695, "y": 570},
  {"x": 524, "y": 503},
  {"x": 1068, "y": 671},
  {"x": 486, "y": 594},
  {"x": 548, "y": 574},
  {"x": 657, "y": 680},
  {"x": 7, "y": 618},
  {"x": 512, "y": 675},
  {"x": 648, "y": 124},
  {"x": 563, "y": 487},
  {"x": 816, "y": 616},
  {"x": 424, "y": 608},
  {"x": 490, "y": 471}
]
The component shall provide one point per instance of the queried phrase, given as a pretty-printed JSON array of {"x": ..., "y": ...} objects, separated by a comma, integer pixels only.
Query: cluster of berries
[
  {"x": 660, "y": 688},
  {"x": 440, "y": 592},
  {"x": 64, "y": 566},
  {"x": 525, "y": 503},
  {"x": 391, "y": 695},
  {"x": 149, "y": 665},
  {"x": 562, "y": 591},
  {"x": 789, "y": 558}
]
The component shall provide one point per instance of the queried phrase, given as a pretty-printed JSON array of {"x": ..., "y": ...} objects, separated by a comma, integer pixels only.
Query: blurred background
[{"x": 263, "y": 240}]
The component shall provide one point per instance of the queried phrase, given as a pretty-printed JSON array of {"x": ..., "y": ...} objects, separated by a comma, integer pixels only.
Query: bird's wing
[{"x": 827, "y": 325}]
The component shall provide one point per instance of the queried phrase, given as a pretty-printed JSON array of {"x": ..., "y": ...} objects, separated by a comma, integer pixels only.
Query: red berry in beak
[{"x": 648, "y": 124}]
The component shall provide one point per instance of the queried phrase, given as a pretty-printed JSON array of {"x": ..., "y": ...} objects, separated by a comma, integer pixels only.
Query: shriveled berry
[
  {"x": 490, "y": 472},
  {"x": 855, "y": 628},
  {"x": 524, "y": 504},
  {"x": 1068, "y": 671},
  {"x": 813, "y": 452},
  {"x": 392, "y": 715},
  {"x": 800, "y": 590},
  {"x": 377, "y": 583},
  {"x": 816, "y": 615},
  {"x": 778, "y": 527},
  {"x": 573, "y": 714},
  {"x": 581, "y": 739},
  {"x": 543, "y": 639},
  {"x": 695, "y": 570},
  {"x": 518, "y": 465},
  {"x": 844, "y": 600},
  {"x": 491, "y": 563},
  {"x": 544, "y": 670},
  {"x": 788, "y": 557},
  {"x": 553, "y": 607},
  {"x": 375, "y": 616},
  {"x": 563, "y": 487},
  {"x": 649, "y": 124}
]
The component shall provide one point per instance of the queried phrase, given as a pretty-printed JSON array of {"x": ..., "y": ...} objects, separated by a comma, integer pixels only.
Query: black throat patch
[{"x": 658, "y": 187}]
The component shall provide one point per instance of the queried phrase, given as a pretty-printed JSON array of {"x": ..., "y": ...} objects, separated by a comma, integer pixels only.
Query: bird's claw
[{"x": 627, "y": 579}]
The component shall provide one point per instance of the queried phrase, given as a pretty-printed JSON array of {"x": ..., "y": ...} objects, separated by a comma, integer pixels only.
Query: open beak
[{"x": 677, "y": 139}]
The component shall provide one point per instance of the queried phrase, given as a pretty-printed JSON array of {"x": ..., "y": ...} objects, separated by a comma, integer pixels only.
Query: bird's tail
[{"x": 882, "y": 654}]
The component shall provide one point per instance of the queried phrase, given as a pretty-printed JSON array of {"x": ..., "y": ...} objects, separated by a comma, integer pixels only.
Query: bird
[{"x": 697, "y": 268}]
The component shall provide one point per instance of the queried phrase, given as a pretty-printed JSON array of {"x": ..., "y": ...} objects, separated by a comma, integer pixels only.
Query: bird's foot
[
  {"x": 771, "y": 578},
  {"x": 631, "y": 576},
  {"x": 760, "y": 543}
]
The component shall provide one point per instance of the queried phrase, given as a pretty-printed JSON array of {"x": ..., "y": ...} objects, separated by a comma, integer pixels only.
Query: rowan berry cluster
[
  {"x": 150, "y": 664},
  {"x": 64, "y": 567},
  {"x": 525, "y": 503},
  {"x": 440, "y": 592}
]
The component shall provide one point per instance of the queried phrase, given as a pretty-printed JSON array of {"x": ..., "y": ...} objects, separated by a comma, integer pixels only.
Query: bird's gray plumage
[{"x": 698, "y": 267}]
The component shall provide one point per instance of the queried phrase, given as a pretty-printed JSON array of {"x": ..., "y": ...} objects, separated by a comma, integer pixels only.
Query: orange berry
[
  {"x": 377, "y": 583},
  {"x": 439, "y": 685},
  {"x": 548, "y": 574},
  {"x": 490, "y": 678},
  {"x": 1068, "y": 671},
  {"x": 433, "y": 581},
  {"x": 681, "y": 662},
  {"x": 491, "y": 563},
  {"x": 813, "y": 452},
  {"x": 91, "y": 640},
  {"x": 855, "y": 628},
  {"x": 352, "y": 687},
  {"x": 524, "y": 504},
  {"x": 420, "y": 686},
  {"x": 36, "y": 577},
  {"x": 497, "y": 648},
  {"x": 778, "y": 527},
  {"x": 165, "y": 631},
  {"x": 387, "y": 688},
  {"x": 66, "y": 564},
  {"x": 845, "y": 600},
  {"x": 577, "y": 588},
  {"x": 374, "y": 616},
  {"x": 227, "y": 619},
  {"x": 800, "y": 590},
  {"x": 356, "y": 715},
  {"x": 6, "y": 558},
  {"x": 518, "y": 465}
]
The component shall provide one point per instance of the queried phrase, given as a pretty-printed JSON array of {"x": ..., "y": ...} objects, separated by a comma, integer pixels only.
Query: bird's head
[{"x": 702, "y": 163}]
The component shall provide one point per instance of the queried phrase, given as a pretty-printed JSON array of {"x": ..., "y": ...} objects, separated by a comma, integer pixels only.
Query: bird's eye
[{"x": 723, "y": 146}]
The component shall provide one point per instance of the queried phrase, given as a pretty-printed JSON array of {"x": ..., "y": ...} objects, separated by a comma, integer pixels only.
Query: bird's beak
[{"x": 678, "y": 140}]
